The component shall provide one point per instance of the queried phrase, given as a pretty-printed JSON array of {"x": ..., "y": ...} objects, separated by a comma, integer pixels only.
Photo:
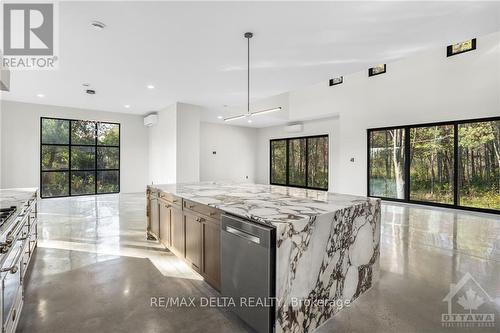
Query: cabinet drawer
[
  {"x": 173, "y": 199},
  {"x": 202, "y": 209}
]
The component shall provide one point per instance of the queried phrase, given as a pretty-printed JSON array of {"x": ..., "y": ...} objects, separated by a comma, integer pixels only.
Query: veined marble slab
[
  {"x": 16, "y": 195},
  {"x": 328, "y": 245},
  {"x": 267, "y": 204}
]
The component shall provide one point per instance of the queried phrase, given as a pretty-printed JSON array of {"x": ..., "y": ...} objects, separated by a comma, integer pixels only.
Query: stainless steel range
[{"x": 18, "y": 240}]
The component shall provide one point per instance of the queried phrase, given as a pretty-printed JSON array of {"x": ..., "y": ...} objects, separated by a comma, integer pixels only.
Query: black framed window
[
  {"x": 300, "y": 162},
  {"x": 449, "y": 164},
  {"x": 78, "y": 157}
]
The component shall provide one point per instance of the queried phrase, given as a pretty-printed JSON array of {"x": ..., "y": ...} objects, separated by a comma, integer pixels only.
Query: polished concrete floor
[{"x": 94, "y": 271}]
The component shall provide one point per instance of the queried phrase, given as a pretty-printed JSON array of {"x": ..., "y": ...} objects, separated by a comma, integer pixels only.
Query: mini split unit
[{"x": 151, "y": 119}]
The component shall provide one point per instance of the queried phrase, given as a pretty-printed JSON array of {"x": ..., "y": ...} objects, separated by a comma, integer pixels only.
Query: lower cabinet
[
  {"x": 193, "y": 239},
  {"x": 210, "y": 263},
  {"x": 177, "y": 231},
  {"x": 165, "y": 223},
  {"x": 154, "y": 218},
  {"x": 191, "y": 231}
]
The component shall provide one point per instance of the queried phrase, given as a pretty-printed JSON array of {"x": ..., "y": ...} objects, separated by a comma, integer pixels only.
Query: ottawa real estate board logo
[
  {"x": 469, "y": 305},
  {"x": 29, "y": 36}
]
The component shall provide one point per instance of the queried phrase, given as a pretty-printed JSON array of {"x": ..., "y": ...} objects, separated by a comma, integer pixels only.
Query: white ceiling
[{"x": 194, "y": 52}]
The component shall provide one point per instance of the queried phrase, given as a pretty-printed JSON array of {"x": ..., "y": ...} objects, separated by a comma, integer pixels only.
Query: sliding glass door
[
  {"x": 78, "y": 157},
  {"x": 479, "y": 164},
  {"x": 450, "y": 164},
  {"x": 387, "y": 168},
  {"x": 431, "y": 164}
]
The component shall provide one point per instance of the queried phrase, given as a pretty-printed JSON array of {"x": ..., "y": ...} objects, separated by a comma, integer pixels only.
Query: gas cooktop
[
  {"x": 12, "y": 202},
  {"x": 6, "y": 213}
]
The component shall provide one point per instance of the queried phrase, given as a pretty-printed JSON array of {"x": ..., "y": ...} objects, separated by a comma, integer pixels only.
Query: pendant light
[{"x": 249, "y": 35}]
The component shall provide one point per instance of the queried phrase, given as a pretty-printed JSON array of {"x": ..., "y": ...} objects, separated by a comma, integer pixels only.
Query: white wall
[
  {"x": 188, "y": 143},
  {"x": 1, "y": 145},
  {"x": 328, "y": 126},
  {"x": 163, "y": 147},
  {"x": 236, "y": 153},
  {"x": 20, "y": 132},
  {"x": 174, "y": 145},
  {"x": 428, "y": 87}
]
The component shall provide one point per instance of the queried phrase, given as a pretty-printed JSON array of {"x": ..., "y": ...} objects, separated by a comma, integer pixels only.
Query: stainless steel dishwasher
[{"x": 248, "y": 270}]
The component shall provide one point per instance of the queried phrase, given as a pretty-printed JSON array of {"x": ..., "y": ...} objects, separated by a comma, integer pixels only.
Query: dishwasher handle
[
  {"x": 243, "y": 235},
  {"x": 262, "y": 235}
]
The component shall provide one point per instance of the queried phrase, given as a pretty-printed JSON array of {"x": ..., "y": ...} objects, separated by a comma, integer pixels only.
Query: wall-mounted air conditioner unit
[{"x": 151, "y": 119}]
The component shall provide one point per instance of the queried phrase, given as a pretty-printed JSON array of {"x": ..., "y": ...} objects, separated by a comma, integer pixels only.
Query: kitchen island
[{"x": 326, "y": 248}]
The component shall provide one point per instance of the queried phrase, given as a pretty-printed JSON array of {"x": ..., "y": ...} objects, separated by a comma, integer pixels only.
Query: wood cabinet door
[
  {"x": 193, "y": 240},
  {"x": 165, "y": 224},
  {"x": 155, "y": 218},
  {"x": 177, "y": 231},
  {"x": 210, "y": 266}
]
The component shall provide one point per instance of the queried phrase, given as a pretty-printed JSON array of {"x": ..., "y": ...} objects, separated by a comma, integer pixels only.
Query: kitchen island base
[{"x": 327, "y": 246}]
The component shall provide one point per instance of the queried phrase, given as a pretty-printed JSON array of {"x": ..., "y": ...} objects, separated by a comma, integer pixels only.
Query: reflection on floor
[{"x": 94, "y": 271}]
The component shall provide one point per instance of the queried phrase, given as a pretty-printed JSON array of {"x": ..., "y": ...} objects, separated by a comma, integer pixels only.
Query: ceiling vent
[
  {"x": 151, "y": 120},
  {"x": 294, "y": 128},
  {"x": 98, "y": 25}
]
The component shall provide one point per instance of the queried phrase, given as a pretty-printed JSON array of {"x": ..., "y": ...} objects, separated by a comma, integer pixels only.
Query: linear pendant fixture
[
  {"x": 235, "y": 117},
  {"x": 256, "y": 113},
  {"x": 249, "y": 35}
]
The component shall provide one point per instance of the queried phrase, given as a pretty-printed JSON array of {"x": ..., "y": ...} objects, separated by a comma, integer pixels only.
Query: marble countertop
[
  {"x": 267, "y": 204},
  {"x": 16, "y": 196}
]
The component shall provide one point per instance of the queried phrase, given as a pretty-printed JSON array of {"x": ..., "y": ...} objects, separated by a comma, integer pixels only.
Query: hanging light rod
[
  {"x": 235, "y": 117},
  {"x": 256, "y": 113},
  {"x": 249, "y": 35}
]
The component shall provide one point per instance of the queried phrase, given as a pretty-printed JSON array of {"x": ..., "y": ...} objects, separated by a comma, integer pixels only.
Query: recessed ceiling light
[
  {"x": 220, "y": 117},
  {"x": 126, "y": 106},
  {"x": 40, "y": 95},
  {"x": 150, "y": 86},
  {"x": 249, "y": 121},
  {"x": 97, "y": 25}
]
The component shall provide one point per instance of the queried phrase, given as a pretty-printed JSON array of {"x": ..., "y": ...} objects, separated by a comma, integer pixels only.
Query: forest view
[
  {"x": 79, "y": 157},
  {"x": 432, "y": 164},
  {"x": 300, "y": 162}
]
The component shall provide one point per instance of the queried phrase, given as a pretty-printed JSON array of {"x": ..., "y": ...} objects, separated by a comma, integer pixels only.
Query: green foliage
[
  {"x": 83, "y": 132},
  {"x": 54, "y": 184},
  {"x": 433, "y": 164},
  {"x": 82, "y": 183},
  {"x": 108, "y": 134},
  {"x": 108, "y": 158},
  {"x": 316, "y": 156},
  {"x": 278, "y": 162},
  {"x": 57, "y": 131},
  {"x": 82, "y": 158},
  {"x": 54, "y": 157},
  {"x": 297, "y": 162}
]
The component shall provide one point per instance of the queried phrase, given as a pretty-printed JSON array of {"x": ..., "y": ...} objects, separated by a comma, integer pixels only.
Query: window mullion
[{"x": 69, "y": 154}]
